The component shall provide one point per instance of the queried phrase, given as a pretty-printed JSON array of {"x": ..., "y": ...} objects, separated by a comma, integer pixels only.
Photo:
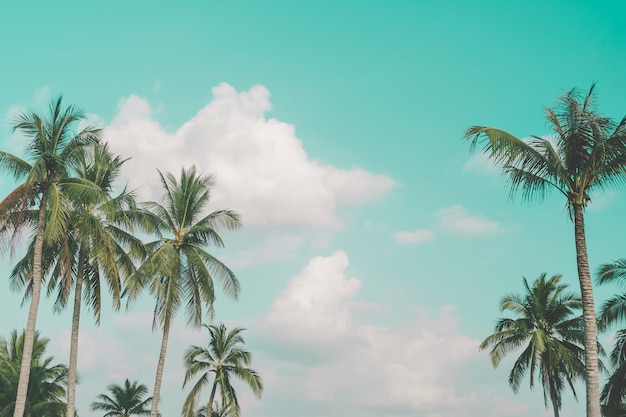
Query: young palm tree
[
  {"x": 179, "y": 269},
  {"x": 552, "y": 333},
  {"x": 46, "y": 383},
  {"x": 51, "y": 148},
  {"x": 223, "y": 360},
  {"x": 124, "y": 401},
  {"x": 587, "y": 153}
]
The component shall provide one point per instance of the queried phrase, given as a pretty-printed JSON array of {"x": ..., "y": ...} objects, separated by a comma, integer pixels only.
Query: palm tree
[
  {"x": 51, "y": 148},
  {"x": 613, "y": 397},
  {"x": 586, "y": 153},
  {"x": 124, "y": 401},
  {"x": 94, "y": 248},
  {"x": 550, "y": 330},
  {"x": 46, "y": 383},
  {"x": 179, "y": 269},
  {"x": 224, "y": 359},
  {"x": 102, "y": 246}
]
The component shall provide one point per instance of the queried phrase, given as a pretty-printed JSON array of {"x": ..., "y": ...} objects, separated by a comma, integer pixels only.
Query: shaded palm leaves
[
  {"x": 179, "y": 270},
  {"x": 223, "y": 360},
  {"x": 549, "y": 334},
  {"x": 47, "y": 382},
  {"x": 124, "y": 401},
  {"x": 613, "y": 398},
  {"x": 586, "y": 153}
]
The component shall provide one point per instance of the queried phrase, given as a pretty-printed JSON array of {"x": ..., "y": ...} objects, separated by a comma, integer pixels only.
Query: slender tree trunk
[
  {"x": 71, "y": 383},
  {"x": 589, "y": 316},
  {"x": 159, "y": 373},
  {"x": 209, "y": 407},
  {"x": 29, "y": 335}
]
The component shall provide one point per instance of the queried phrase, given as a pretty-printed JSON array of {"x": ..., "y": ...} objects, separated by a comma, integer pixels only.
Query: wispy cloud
[
  {"x": 457, "y": 219},
  {"x": 416, "y": 237}
]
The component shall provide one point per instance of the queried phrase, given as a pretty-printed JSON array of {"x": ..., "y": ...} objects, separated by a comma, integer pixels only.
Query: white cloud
[
  {"x": 312, "y": 310},
  {"x": 456, "y": 219},
  {"x": 261, "y": 166},
  {"x": 408, "y": 369},
  {"x": 417, "y": 237}
]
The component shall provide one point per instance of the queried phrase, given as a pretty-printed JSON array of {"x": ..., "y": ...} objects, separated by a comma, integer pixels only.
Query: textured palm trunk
[
  {"x": 209, "y": 407},
  {"x": 159, "y": 373},
  {"x": 71, "y": 383},
  {"x": 29, "y": 335},
  {"x": 589, "y": 316}
]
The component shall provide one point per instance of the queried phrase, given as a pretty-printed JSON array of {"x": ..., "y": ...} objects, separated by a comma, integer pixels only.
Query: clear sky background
[{"x": 375, "y": 249}]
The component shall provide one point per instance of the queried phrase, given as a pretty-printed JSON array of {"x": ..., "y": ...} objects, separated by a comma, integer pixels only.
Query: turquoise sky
[{"x": 362, "y": 141}]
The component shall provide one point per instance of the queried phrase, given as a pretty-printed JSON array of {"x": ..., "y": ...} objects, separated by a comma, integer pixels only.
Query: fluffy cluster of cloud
[
  {"x": 261, "y": 167},
  {"x": 409, "y": 368},
  {"x": 455, "y": 219}
]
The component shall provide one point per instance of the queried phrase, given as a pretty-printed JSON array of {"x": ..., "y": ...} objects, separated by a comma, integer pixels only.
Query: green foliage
[
  {"x": 223, "y": 360},
  {"x": 124, "y": 401},
  {"x": 47, "y": 382},
  {"x": 586, "y": 152},
  {"x": 613, "y": 312},
  {"x": 179, "y": 270},
  {"x": 548, "y": 334}
]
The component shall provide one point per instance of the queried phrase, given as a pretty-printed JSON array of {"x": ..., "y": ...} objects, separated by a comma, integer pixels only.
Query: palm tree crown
[
  {"x": 124, "y": 401},
  {"x": 550, "y": 333},
  {"x": 47, "y": 382},
  {"x": 223, "y": 360}
]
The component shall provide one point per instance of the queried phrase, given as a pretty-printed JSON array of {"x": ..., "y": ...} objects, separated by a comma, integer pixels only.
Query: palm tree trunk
[
  {"x": 159, "y": 373},
  {"x": 589, "y": 316},
  {"x": 209, "y": 407},
  {"x": 29, "y": 335},
  {"x": 71, "y": 383}
]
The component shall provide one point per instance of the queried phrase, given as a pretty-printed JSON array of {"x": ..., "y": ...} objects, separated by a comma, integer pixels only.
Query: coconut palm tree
[
  {"x": 550, "y": 332},
  {"x": 613, "y": 397},
  {"x": 95, "y": 248},
  {"x": 587, "y": 152},
  {"x": 123, "y": 401},
  {"x": 105, "y": 248},
  {"x": 613, "y": 312},
  {"x": 48, "y": 187},
  {"x": 179, "y": 269},
  {"x": 223, "y": 360},
  {"x": 47, "y": 382}
]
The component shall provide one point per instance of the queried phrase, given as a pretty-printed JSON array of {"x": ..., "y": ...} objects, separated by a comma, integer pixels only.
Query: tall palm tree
[
  {"x": 124, "y": 401},
  {"x": 586, "y": 153},
  {"x": 104, "y": 246},
  {"x": 46, "y": 384},
  {"x": 552, "y": 333},
  {"x": 179, "y": 269},
  {"x": 95, "y": 248},
  {"x": 224, "y": 359},
  {"x": 51, "y": 148}
]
